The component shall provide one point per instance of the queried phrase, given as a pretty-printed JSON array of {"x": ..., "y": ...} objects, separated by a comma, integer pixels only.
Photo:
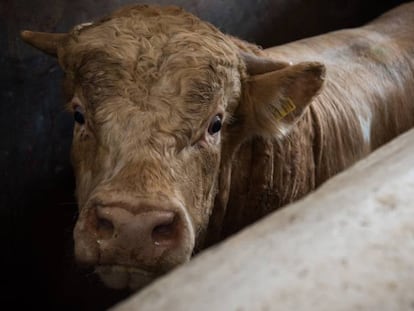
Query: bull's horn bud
[
  {"x": 43, "y": 41},
  {"x": 261, "y": 64}
]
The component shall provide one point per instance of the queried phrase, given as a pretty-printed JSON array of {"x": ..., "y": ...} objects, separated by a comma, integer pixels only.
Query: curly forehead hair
[{"x": 144, "y": 39}]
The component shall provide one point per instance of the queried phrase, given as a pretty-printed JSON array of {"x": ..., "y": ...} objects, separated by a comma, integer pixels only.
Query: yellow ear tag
[{"x": 286, "y": 106}]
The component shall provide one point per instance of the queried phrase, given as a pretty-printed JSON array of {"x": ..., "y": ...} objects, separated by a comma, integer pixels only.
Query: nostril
[
  {"x": 165, "y": 233},
  {"x": 105, "y": 228}
]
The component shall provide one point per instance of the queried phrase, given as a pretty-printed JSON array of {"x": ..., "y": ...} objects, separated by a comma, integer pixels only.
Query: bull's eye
[
  {"x": 215, "y": 125},
  {"x": 78, "y": 115}
]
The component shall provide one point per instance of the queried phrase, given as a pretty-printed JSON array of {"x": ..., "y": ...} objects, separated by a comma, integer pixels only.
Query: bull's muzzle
[{"x": 149, "y": 236}]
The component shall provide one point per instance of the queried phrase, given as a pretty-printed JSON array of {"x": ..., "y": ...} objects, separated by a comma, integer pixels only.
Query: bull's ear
[
  {"x": 43, "y": 41},
  {"x": 274, "y": 100}
]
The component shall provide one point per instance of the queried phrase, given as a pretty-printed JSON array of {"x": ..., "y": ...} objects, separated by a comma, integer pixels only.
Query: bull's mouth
[{"x": 123, "y": 277}]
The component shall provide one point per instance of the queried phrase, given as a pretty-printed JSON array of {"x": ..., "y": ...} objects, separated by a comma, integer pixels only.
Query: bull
[{"x": 183, "y": 134}]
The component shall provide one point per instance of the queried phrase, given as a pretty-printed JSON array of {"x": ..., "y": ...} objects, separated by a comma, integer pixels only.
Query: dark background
[{"x": 37, "y": 206}]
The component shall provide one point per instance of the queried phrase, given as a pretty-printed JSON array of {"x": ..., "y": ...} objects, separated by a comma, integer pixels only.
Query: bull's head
[{"x": 161, "y": 102}]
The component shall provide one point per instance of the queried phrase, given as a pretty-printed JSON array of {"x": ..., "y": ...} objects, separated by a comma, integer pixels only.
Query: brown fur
[
  {"x": 369, "y": 70},
  {"x": 130, "y": 66},
  {"x": 150, "y": 80}
]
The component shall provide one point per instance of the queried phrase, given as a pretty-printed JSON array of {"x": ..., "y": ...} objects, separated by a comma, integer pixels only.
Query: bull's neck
[{"x": 264, "y": 176}]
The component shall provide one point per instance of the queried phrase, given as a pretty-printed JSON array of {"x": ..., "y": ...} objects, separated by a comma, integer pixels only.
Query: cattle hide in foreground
[{"x": 173, "y": 116}]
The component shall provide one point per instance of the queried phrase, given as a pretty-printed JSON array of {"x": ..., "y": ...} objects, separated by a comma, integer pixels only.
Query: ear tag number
[{"x": 285, "y": 107}]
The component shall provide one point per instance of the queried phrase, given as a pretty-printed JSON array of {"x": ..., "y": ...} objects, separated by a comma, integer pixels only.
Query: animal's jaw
[{"x": 124, "y": 277}]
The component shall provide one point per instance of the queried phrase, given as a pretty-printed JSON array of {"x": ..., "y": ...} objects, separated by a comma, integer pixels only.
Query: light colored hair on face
[{"x": 146, "y": 61}]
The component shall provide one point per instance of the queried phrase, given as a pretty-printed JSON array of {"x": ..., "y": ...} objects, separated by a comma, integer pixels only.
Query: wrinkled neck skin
[{"x": 366, "y": 101}]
